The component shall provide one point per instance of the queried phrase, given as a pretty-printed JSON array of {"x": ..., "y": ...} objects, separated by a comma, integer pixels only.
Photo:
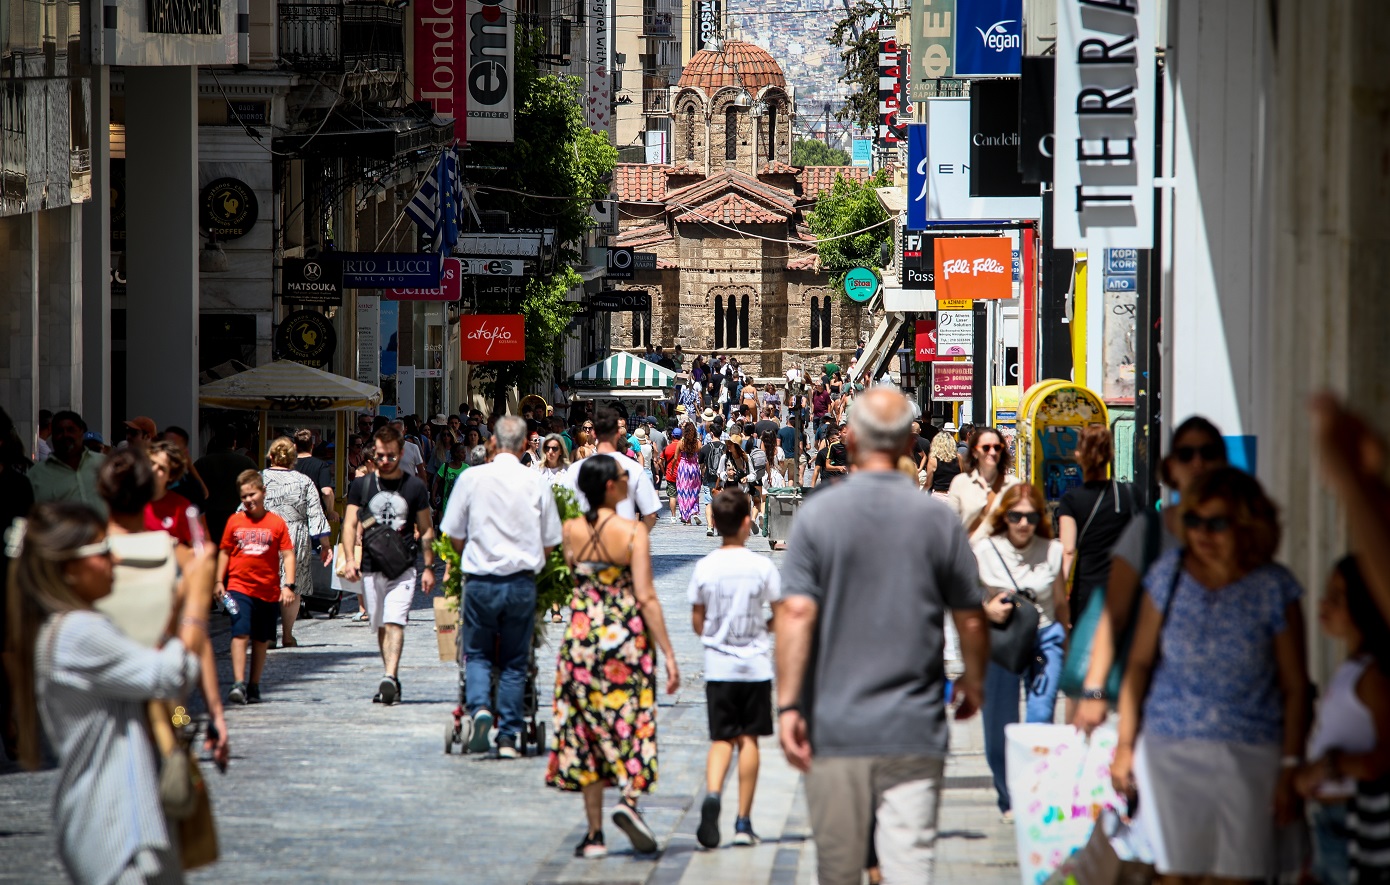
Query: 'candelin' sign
[
  {"x": 1103, "y": 168},
  {"x": 492, "y": 338},
  {"x": 441, "y": 52},
  {"x": 974, "y": 267}
]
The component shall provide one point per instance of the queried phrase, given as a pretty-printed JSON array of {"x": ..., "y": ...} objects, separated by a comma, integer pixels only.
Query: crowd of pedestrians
[{"x": 1173, "y": 624}]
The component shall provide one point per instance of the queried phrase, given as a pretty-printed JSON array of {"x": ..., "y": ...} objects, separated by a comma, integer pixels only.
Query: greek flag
[{"x": 435, "y": 207}]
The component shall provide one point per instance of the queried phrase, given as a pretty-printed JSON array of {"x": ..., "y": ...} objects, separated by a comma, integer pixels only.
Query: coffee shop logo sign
[{"x": 301, "y": 403}]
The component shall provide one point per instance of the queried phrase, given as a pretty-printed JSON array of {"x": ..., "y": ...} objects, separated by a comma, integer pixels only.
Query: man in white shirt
[
  {"x": 412, "y": 459},
  {"x": 642, "y": 501},
  {"x": 501, "y": 517}
]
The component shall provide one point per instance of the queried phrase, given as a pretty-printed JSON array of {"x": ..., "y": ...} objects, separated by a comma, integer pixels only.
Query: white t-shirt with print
[{"x": 735, "y": 586}]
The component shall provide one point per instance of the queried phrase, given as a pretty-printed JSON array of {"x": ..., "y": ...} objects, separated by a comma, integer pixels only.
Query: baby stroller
[{"x": 531, "y": 740}]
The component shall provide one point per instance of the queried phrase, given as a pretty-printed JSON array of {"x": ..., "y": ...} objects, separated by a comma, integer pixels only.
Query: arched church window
[
  {"x": 825, "y": 322},
  {"x": 719, "y": 322},
  {"x": 690, "y": 133},
  {"x": 815, "y": 321},
  {"x": 772, "y": 131},
  {"x": 743, "y": 323},
  {"x": 731, "y": 134},
  {"x": 731, "y": 322}
]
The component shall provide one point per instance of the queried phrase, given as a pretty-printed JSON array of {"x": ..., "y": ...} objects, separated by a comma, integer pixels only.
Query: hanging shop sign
[
  {"x": 491, "y": 267},
  {"x": 948, "y": 170},
  {"x": 995, "y": 141},
  {"x": 311, "y": 281},
  {"x": 306, "y": 336},
  {"x": 953, "y": 304},
  {"x": 862, "y": 153},
  {"x": 491, "y": 60},
  {"x": 1103, "y": 169},
  {"x": 952, "y": 382},
  {"x": 974, "y": 267},
  {"x": 620, "y": 263},
  {"x": 933, "y": 39},
  {"x": 704, "y": 24},
  {"x": 440, "y": 62},
  {"x": 917, "y": 141},
  {"x": 598, "y": 106},
  {"x": 229, "y": 208},
  {"x": 492, "y": 338},
  {"x": 1039, "y": 92},
  {"x": 861, "y": 284},
  {"x": 919, "y": 261},
  {"x": 892, "y": 99},
  {"x": 644, "y": 261},
  {"x": 621, "y": 301},
  {"x": 500, "y": 245},
  {"x": 386, "y": 270},
  {"x": 925, "y": 340},
  {"x": 955, "y": 334},
  {"x": 450, "y": 286},
  {"x": 369, "y": 340},
  {"x": 988, "y": 38}
]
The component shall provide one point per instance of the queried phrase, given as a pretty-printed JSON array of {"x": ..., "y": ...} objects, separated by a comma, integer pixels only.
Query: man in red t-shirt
[
  {"x": 254, "y": 545},
  {"x": 671, "y": 458}
]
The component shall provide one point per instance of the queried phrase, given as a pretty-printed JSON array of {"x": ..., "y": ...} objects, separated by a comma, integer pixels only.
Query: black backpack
[{"x": 709, "y": 462}]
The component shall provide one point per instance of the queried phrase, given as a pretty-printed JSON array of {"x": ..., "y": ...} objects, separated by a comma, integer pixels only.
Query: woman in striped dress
[
  {"x": 88, "y": 683},
  {"x": 688, "y": 475}
]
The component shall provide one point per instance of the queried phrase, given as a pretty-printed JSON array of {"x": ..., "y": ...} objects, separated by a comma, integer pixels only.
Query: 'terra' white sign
[
  {"x": 1104, "y": 160},
  {"x": 948, "y": 170}
]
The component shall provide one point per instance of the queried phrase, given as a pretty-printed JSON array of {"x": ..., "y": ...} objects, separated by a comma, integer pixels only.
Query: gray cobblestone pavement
[{"x": 325, "y": 786}]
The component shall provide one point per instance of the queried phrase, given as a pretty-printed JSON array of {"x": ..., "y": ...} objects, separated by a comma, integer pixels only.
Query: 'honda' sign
[
  {"x": 441, "y": 72},
  {"x": 492, "y": 338}
]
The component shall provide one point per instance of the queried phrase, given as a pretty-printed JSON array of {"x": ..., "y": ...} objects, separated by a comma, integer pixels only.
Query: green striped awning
[{"x": 625, "y": 370}]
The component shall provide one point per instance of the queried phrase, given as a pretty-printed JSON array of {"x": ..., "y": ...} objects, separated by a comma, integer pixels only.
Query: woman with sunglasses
[
  {"x": 974, "y": 494},
  {"x": 1214, "y": 704},
  {"x": 1196, "y": 449},
  {"x": 1020, "y": 560},
  {"x": 88, "y": 684},
  {"x": 554, "y": 461}
]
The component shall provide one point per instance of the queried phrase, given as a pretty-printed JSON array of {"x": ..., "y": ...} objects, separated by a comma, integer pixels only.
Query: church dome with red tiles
[{"x": 736, "y": 64}]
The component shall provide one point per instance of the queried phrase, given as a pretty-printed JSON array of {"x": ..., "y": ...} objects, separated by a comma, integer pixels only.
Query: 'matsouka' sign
[
  {"x": 1103, "y": 167},
  {"x": 974, "y": 267},
  {"x": 492, "y": 338},
  {"x": 441, "y": 60}
]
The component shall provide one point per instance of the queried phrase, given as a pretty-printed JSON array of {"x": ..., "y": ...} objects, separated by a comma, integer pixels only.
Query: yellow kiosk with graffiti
[{"x": 1050, "y": 419}]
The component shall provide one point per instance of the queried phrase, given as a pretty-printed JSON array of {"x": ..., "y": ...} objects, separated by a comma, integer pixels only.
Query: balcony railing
[
  {"x": 342, "y": 37},
  {"x": 656, "y": 102},
  {"x": 658, "y": 24}
]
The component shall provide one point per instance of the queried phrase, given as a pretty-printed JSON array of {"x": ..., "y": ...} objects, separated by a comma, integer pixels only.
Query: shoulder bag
[
  {"x": 1013, "y": 644},
  {"x": 391, "y": 554}
]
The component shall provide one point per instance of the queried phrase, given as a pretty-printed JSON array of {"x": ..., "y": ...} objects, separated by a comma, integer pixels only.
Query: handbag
[
  {"x": 1113, "y": 855},
  {"x": 1013, "y": 644},
  {"x": 391, "y": 554},
  {"x": 1078, "y": 658},
  {"x": 183, "y": 793}
]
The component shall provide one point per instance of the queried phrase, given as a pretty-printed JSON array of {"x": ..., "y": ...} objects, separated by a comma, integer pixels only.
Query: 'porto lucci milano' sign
[
  {"x": 989, "y": 38},
  {"x": 387, "y": 270}
]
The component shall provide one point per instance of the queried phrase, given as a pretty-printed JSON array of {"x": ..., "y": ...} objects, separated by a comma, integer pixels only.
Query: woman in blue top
[{"x": 1216, "y": 691}]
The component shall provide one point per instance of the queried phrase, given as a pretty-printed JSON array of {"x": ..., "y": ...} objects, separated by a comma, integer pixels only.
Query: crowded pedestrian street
[{"x": 324, "y": 787}]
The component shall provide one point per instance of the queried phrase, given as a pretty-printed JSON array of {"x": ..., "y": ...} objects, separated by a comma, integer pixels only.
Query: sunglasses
[
  {"x": 389, "y": 459},
  {"x": 100, "y": 548},
  {"x": 1032, "y": 517},
  {"x": 990, "y": 447},
  {"x": 1211, "y": 525},
  {"x": 1209, "y": 452},
  {"x": 552, "y": 448}
]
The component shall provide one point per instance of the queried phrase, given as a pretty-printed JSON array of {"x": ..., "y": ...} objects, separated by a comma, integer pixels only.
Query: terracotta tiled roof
[
  {"x": 804, "y": 233},
  {"x": 737, "y": 64},
  {"x": 802, "y": 262},
  {"x": 646, "y": 235},
  {"x": 777, "y": 167},
  {"x": 640, "y": 183},
  {"x": 732, "y": 208},
  {"x": 773, "y": 197},
  {"x": 816, "y": 180}
]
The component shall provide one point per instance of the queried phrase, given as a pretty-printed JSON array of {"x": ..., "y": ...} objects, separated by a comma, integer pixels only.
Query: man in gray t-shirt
[{"x": 872, "y": 567}]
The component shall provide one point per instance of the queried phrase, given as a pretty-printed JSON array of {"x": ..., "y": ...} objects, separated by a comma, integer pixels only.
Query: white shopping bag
[
  {"x": 340, "y": 583},
  {"x": 1059, "y": 783}
]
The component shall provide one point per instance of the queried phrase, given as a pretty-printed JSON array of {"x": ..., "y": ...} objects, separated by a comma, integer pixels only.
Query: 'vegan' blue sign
[{"x": 989, "y": 38}]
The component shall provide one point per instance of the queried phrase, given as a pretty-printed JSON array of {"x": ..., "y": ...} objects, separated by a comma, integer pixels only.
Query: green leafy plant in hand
[
  {"x": 443, "y": 548},
  {"x": 555, "y": 583}
]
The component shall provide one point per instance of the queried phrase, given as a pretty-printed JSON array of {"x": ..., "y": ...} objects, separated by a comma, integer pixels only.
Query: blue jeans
[
  {"x": 1001, "y": 701},
  {"x": 1331, "y": 865},
  {"x": 499, "y": 616}
]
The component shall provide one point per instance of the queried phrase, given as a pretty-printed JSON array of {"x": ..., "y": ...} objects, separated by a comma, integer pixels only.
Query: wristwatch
[
  {"x": 289, "y": 585},
  {"x": 1093, "y": 694}
]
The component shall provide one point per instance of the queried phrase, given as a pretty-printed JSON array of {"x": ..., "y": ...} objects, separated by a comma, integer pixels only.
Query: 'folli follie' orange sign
[{"x": 974, "y": 267}]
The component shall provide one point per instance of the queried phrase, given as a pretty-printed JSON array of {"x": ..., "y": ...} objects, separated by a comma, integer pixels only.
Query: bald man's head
[{"x": 881, "y": 421}]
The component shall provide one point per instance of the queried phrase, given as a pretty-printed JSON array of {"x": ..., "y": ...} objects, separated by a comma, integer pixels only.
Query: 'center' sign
[{"x": 974, "y": 267}]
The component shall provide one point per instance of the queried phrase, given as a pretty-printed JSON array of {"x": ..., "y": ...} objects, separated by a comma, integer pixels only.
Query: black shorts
[
  {"x": 255, "y": 617},
  {"x": 738, "y": 708}
]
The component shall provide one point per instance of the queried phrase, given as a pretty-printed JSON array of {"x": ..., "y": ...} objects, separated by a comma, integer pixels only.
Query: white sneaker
[{"x": 630, "y": 821}]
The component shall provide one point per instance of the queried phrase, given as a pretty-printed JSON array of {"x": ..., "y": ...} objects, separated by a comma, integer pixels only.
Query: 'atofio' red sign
[{"x": 492, "y": 338}]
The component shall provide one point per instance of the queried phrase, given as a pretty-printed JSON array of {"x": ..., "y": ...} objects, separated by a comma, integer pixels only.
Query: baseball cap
[
  {"x": 651, "y": 420},
  {"x": 675, "y": 433},
  {"x": 144, "y": 425},
  {"x": 93, "y": 436}
]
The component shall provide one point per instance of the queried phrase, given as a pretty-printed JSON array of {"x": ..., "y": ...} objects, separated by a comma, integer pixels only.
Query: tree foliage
[
  {"x": 814, "y": 152},
  {"x": 567, "y": 168},
  {"x": 848, "y": 207},
  {"x": 856, "y": 36}
]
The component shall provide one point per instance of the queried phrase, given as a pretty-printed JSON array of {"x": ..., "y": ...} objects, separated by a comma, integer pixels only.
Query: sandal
[
  {"x": 361, "y": 617},
  {"x": 557, "y": 618},
  {"x": 289, "y": 642}
]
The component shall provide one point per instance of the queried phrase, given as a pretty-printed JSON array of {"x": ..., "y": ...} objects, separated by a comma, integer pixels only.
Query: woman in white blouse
[
  {"x": 1019, "y": 557},
  {"x": 975, "y": 493}
]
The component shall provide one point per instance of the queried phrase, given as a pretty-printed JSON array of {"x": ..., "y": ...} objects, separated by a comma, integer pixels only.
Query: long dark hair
[
  {"x": 595, "y": 473},
  {"x": 11, "y": 446},
  {"x": 690, "y": 440},
  {"x": 971, "y": 461},
  {"x": 1375, "y": 632}
]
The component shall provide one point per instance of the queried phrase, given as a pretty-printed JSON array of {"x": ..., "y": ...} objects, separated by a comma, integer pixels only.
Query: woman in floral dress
[
  {"x": 293, "y": 497},
  {"x": 688, "y": 475},
  {"x": 605, "y": 682}
]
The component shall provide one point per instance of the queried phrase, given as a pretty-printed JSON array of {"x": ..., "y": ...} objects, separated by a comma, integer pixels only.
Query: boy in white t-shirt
[{"x": 728, "y": 592}]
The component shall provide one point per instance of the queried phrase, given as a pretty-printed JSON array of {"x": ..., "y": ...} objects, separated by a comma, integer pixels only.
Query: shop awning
[
  {"x": 286, "y": 386},
  {"x": 624, "y": 370},
  {"x": 876, "y": 351}
]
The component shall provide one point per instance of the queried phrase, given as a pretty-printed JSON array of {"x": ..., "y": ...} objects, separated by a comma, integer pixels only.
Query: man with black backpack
[
  {"x": 396, "y": 504},
  {"x": 711, "y": 455}
]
